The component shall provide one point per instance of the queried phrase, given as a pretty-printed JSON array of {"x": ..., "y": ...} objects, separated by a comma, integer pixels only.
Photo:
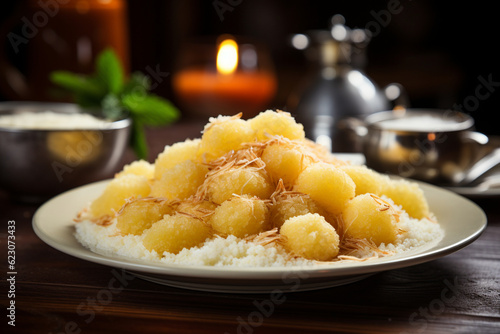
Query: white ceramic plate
[{"x": 462, "y": 220}]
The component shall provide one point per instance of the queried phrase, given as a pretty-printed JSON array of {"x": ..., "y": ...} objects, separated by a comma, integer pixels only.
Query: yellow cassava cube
[
  {"x": 117, "y": 192},
  {"x": 311, "y": 237},
  {"x": 294, "y": 205},
  {"x": 367, "y": 180},
  {"x": 222, "y": 135},
  {"x": 241, "y": 217},
  {"x": 328, "y": 185},
  {"x": 175, "y": 154},
  {"x": 284, "y": 162},
  {"x": 273, "y": 123},
  {"x": 239, "y": 181},
  {"x": 180, "y": 181},
  {"x": 174, "y": 233},
  {"x": 368, "y": 217},
  {"x": 409, "y": 195},
  {"x": 139, "y": 215},
  {"x": 139, "y": 167}
]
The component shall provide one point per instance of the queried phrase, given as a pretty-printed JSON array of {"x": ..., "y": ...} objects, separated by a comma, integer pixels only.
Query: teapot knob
[
  {"x": 300, "y": 41},
  {"x": 337, "y": 19}
]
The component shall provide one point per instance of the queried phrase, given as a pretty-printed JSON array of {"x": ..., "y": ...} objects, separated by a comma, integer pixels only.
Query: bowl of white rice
[{"x": 47, "y": 148}]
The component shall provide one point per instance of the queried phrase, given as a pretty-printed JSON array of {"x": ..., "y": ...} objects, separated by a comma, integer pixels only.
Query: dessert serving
[{"x": 254, "y": 193}]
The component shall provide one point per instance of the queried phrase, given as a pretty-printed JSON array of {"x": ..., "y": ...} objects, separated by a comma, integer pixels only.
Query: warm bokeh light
[
  {"x": 300, "y": 41},
  {"x": 227, "y": 57}
]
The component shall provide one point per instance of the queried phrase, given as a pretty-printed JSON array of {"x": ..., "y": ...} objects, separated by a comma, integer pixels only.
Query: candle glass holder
[
  {"x": 224, "y": 76},
  {"x": 49, "y": 36}
]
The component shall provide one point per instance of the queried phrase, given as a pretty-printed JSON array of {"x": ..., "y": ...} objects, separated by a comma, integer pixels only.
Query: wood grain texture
[{"x": 56, "y": 293}]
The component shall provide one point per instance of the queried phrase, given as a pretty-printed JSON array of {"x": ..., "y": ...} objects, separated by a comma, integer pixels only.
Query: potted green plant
[{"x": 108, "y": 92}]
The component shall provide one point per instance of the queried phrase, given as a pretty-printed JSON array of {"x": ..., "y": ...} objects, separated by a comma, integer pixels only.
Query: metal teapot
[{"x": 337, "y": 88}]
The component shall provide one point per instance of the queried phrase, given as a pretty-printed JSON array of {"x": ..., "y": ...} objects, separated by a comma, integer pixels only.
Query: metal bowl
[
  {"x": 441, "y": 150},
  {"x": 37, "y": 164}
]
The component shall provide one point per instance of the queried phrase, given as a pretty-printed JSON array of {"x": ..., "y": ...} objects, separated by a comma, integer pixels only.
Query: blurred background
[{"x": 443, "y": 53}]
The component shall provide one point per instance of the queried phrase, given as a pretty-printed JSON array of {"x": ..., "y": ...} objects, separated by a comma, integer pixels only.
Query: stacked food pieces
[{"x": 255, "y": 182}]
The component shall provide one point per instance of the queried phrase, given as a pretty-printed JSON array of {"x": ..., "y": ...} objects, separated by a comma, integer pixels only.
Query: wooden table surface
[{"x": 56, "y": 293}]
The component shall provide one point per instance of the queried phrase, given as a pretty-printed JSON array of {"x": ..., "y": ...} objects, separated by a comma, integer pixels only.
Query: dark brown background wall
[{"x": 436, "y": 49}]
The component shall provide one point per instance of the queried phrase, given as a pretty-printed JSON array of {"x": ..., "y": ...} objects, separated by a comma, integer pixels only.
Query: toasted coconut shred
[{"x": 266, "y": 249}]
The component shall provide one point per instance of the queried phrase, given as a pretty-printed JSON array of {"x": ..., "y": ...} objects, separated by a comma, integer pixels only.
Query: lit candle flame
[{"x": 227, "y": 57}]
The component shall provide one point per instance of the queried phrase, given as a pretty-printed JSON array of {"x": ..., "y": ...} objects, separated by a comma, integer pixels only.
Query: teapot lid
[{"x": 337, "y": 45}]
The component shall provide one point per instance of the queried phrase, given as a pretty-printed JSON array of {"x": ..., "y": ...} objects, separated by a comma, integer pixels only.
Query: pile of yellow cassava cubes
[{"x": 251, "y": 177}]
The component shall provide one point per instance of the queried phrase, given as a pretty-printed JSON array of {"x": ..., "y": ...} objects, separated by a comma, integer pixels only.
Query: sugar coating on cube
[
  {"x": 368, "y": 217},
  {"x": 139, "y": 167},
  {"x": 328, "y": 185},
  {"x": 288, "y": 206},
  {"x": 222, "y": 135},
  {"x": 175, "y": 154},
  {"x": 239, "y": 181},
  {"x": 174, "y": 233},
  {"x": 139, "y": 215},
  {"x": 367, "y": 180},
  {"x": 117, "y": 192},
  {"x": 311, "y": 237},
  {"x": 284, "y": 162},
  {"x": 409, "y": 196},
  {"x": 269, "y": 123},
  {"x": 241, "y": 216},
  {"x": 180, "y": 181}
]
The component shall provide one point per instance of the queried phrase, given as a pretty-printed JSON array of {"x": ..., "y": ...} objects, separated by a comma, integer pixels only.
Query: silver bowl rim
[
  {"x": 7, "y": 107},
  {"x": 464, "y": 122}
]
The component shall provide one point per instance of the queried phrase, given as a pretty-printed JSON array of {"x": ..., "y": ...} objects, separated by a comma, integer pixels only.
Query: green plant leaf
[
  {"x": 150, "y": 109},
  {"x": 78, "y": 84},
  {"x": 137, "y": 84},
  {"x": 138, "y": 139},
  {"x": 107, "y": 93},
  {"x": 111, "y": 107},
  {"x": 109, "y": 70}
]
